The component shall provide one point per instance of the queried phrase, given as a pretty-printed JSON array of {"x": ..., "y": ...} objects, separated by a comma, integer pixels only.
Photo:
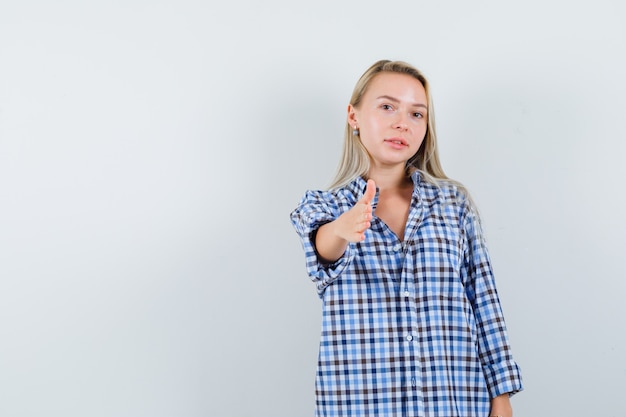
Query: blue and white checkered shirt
[{"x": 410, "y": 328}]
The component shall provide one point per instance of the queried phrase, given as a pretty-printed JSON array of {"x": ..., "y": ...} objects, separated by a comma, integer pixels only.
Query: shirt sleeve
[
  {"x": 501, "y": 372},
  {"x": 316, "y": 209}
]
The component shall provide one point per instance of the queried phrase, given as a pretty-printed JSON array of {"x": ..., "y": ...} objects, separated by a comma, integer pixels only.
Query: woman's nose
[{"x": 400, "y": 123}]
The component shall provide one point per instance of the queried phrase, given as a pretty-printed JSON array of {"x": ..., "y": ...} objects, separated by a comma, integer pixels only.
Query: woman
[{"x": 412, "y": 324}]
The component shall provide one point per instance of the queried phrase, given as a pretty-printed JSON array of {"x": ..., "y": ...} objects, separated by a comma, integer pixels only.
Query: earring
[{"x": 355, "y": 131}]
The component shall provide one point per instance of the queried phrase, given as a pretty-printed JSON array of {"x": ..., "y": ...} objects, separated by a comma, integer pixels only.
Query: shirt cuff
[
  {"x": 503, "y": 378},
  {"x": 324, "y": 274}
]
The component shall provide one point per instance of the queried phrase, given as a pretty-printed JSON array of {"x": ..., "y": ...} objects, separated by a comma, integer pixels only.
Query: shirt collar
[{"x": 356, "y": 188}]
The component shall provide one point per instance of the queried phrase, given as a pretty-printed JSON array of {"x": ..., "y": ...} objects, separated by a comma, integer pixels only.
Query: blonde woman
[{"x": 412, "y": 324}]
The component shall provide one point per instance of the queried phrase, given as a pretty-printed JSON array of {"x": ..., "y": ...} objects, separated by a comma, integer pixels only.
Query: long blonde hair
[{"x": 355, "y": 160}]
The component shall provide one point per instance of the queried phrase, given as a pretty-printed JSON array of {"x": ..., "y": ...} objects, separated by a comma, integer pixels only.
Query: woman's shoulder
[
  {"x": 323, "y": 195},
  {"x": 348, "y": 194},
  {"x": 447, "y": 189},
  {"x": 318, "y": 206}
]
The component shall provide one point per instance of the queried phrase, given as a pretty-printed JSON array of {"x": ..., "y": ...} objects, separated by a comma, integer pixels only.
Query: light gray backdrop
[{"x": 151, "y": 151}]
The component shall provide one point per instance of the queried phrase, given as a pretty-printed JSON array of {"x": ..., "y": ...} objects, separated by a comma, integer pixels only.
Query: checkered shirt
[{"x": 410, "y": 328}]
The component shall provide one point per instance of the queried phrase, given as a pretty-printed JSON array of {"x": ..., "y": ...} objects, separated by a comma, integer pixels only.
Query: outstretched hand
[{"x": 352, "y": 224}]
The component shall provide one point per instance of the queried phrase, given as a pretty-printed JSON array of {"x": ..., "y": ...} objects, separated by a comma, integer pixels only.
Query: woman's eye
[
  {"x": 418, "y": 115},
  {"x": 386, "y": 107}
]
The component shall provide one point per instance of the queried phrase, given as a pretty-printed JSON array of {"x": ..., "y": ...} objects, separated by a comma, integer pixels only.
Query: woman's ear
[{"x": 352, "y": 120}]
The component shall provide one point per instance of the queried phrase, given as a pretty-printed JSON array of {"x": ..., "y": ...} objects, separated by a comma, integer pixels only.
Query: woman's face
[{"x": 391, "y": 118}]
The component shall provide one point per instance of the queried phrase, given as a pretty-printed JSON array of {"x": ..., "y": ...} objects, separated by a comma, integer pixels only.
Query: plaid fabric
[{"x": 409, "y": 328}]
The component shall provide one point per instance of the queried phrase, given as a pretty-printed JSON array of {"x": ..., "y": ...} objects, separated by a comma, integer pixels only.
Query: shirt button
[
  {"x": 413, "y": 381},
  {"x": 397, "y": 247},
  {"x": 406, "y": 293},
  {"x": 409, "y": 338}
]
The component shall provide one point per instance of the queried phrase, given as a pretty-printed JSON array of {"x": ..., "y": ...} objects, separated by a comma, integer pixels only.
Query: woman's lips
[{"x": 396, "y": 143}]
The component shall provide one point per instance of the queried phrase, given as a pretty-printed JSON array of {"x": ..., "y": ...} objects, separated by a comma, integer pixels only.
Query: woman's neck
[{"x": 388, "y": 179}]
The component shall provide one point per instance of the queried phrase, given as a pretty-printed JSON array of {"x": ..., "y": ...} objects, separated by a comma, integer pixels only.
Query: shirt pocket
[{"x": 436, "y": 261}]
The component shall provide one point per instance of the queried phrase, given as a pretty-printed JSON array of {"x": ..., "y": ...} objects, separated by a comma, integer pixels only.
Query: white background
[{"x": 151, "y": 152}]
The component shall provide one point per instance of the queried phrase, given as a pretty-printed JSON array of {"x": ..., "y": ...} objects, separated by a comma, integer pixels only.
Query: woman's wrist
[{"x": 501, "y": 406}]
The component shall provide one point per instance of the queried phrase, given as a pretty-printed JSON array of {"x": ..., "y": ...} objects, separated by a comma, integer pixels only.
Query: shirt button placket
[{"x": 410, "y": 379}]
